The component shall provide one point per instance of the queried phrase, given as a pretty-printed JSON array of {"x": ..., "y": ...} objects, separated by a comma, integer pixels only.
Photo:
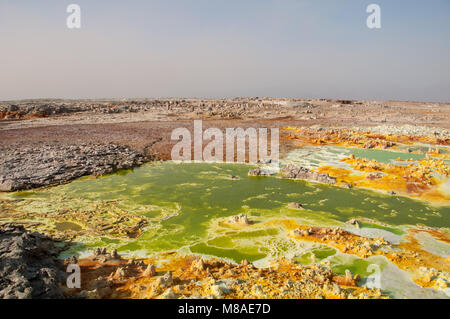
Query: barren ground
[{"x": 146, "y": 125}]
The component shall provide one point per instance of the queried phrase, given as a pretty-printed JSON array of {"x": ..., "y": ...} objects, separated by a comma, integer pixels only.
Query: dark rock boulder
[{"x": 29, "y": 267}]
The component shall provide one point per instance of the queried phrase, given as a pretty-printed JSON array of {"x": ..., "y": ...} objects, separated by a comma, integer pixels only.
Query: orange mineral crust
[
  {"x": 175, "y": 275},
  {"x": 430, "y": 270},
  {"x": 353, "y": 138},
  {"x": 172, "y": 275},
  {"x": 409, "y": 255},
  {"x": 414, "y": 180}
]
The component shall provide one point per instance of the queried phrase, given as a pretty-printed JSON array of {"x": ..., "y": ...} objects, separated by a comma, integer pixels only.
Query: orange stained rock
[
  {"x": 410, "y": 180},
  {"x": 409, "y": 257},
  {"x": 437, "y": 165},
  {"x": 415, "y": 256},
  {"x": 438, "y": 235},
  {"x": 17, "y": 115},
  {"x": 195, "y": 277},
  {"x": 286, "y": 280},
  {"x": 346, "y": 137}
]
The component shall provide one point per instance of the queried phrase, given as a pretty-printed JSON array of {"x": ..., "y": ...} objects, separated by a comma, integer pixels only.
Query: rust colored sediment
[{"x": 184, "y": 276}]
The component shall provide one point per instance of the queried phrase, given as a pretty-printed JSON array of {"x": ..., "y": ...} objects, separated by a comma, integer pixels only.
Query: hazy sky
[{"x": 225, "y": 48}]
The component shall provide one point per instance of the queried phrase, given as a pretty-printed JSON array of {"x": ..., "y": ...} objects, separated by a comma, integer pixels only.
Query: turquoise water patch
[
  {"x": 384, "y": 156},
  {"x": 357, "y": 266},
  {"x": 395, "y": 231},
  {"x": 315, "y": 156},
  {"x": 315, "y": 255}
]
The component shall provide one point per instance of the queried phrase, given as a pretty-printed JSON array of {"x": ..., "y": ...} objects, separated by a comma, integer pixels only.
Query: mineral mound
[{"x": 298, "y": 172}]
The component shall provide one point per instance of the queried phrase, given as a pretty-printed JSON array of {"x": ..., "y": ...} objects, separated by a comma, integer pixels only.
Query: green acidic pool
[{"x": 186, "y": 205}]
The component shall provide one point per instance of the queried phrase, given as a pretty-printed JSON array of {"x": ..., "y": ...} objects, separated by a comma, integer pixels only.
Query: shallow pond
[{"x": 187, "y": 204}]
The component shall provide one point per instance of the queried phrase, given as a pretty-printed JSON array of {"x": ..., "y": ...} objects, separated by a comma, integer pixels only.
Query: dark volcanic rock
[
  {"x": 29, "y": 267},
  {"x": 25, "y": 167},
  {"x": 13, "y": 108},
  {"x": 298, "y": 172}
]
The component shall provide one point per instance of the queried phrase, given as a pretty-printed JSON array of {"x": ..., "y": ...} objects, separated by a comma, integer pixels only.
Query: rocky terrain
[
  {"x": 24, "y": 167},
  {"x": 381, "y": 136},
  {"x": 144, "y": 126},
  {"x": 49, "y": 142},
  {"x": 298, "y": 172},
  {"x": 315, "y": 111},
  {"x": 172, "y": 275},
  {"x": 175, "y": 276},
  {"x": 410, "y": 130},
  {"x": 221, "y": 108},
  {"x": 28, "y": 265}
]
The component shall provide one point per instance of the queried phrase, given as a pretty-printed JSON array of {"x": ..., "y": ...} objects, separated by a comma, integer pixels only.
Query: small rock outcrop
[
  {"x": 150, "y": 271},
  {"x": 164, "y": 281},
  {"x": 372, "y": 176},
  {"x": 240, "y": 219},
  {"x": 299, "y": 172},
  {"x": 198, "y": 265},
  {"x": 299, "y": 232},
  {"x": 295, "y": 205},
  {"x": 114, "y": 254},
  {"x": 258, "y": 172},
  {"x": 354, "y": 222}
]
